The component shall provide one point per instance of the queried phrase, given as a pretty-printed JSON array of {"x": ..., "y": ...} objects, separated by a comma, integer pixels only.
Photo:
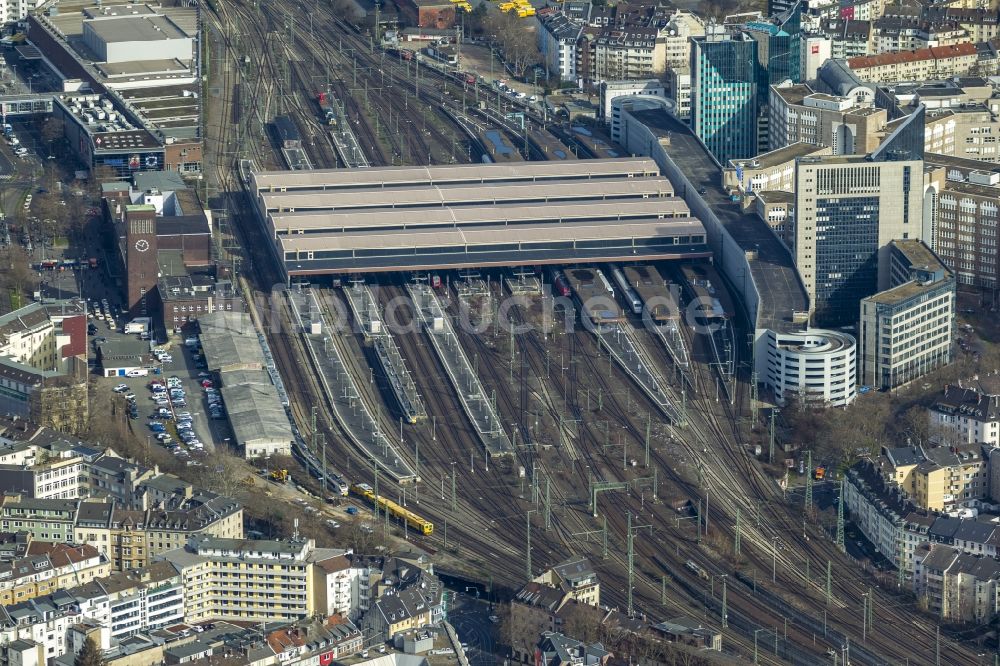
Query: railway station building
[{"x": 337, "y": 221}]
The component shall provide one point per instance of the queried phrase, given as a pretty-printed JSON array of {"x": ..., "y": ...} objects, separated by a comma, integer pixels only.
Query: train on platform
[
  {"x": 559, "y": 285},
  {"x": 628, "y": 293},
  {"x": 422, "y": 525}
]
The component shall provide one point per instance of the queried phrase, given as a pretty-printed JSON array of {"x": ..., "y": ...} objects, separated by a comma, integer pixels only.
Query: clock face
[{"x": 142, "y": 245}]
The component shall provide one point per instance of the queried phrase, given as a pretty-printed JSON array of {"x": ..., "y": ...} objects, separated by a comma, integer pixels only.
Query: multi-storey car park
[{"x": 440, "y": 217}]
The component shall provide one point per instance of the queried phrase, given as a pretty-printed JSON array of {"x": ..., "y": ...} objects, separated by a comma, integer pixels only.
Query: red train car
[{"x": 559, "y": 284}]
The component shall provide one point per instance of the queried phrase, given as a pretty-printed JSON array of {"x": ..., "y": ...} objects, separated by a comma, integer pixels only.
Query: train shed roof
[{"x": 383, "y": 177}]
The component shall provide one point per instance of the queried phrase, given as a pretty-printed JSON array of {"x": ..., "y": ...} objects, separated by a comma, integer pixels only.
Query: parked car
[{"x": 121, "y": 388}]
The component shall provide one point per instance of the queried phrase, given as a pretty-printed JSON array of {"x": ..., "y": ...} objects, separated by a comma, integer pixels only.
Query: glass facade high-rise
[
  {"x": 848, "y": 209},
  {"x": 846, "y": 256},
  {"x": 725, "y": 76}
]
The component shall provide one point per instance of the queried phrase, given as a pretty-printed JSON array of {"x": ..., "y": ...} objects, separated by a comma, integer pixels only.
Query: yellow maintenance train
[{"x": 425, "y": 527}]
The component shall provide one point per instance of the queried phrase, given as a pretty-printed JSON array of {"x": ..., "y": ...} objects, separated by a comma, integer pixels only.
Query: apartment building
[
  {"x": 558, "y": 36},
  {"x": 957, "y": 586},
  {"x": 168, "y": 527},
  {"x": 129, "y": 538},
  {"x": 884, "y": 512},
  {"x": 576, "y": 579},
  {"x": 254, "y": 581},
  {"x": 906, "y": 331},
  {"x": 799, "y": 114},
  {"x": 848, "y": 38},
  {"x": 43, "y": 367},
  {"x": 47, "y": 567},
  {"x": 347, "y": 584},
  {"x": 38, "y": 627},
  {"x": 60, "y": 471},
  {"x": 632, "y": 52},
  {"x": 393, "y": 614},
  {"x": 899, "y": 33},
  {"x": 935, "y": 62},
  {"x": 681, "y": 27},
  {"x": 308, "y": 641},
  {"x": 44, "y": 519},
  {"x": 724, "y": 95},
  {"x": 133, "y": 601},
  {"x": 968, "y": 413},
  {"x": 117, "y": 478},
  {"x": 936, "y": 478},
  {"x": 848, "y": 209}
]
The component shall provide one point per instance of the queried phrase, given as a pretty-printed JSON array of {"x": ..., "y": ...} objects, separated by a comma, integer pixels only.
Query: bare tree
[
  {"x": 515, "y": 38},
  {"x": 16, "y": 271},
  {"x": 53, "y": 130},
  {"x": 226, "y": 474}
]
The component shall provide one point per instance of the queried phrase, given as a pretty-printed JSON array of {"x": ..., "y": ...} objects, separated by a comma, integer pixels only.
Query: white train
[{"x": 631, "y": 298}]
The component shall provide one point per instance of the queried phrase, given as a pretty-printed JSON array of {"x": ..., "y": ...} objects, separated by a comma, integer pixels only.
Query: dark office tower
[
  {"x": 724, "y": 93},
  {"x": 848, "y": 209}
]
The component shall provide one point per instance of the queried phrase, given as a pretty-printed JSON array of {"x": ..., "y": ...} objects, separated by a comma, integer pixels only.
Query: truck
[{"x": 138, "y": 325}]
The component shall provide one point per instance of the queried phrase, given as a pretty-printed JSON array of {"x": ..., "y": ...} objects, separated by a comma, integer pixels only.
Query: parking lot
[{"x": 180, "y": 371}]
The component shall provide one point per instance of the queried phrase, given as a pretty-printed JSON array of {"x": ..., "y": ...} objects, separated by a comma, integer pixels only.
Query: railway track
[{"x": 446, "y": 446}]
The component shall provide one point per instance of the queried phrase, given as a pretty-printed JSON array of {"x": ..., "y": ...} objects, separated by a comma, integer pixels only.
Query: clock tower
[{"x": 140, "y": 257}]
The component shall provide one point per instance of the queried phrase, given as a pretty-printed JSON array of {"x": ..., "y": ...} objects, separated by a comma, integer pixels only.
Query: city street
[{"x": 470, "y": 617}]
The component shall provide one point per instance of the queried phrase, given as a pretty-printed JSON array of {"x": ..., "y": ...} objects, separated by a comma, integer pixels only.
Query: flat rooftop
[
  {"x": 312, "y": 223},
  {"x": 492, "y": 234},
  {"x": 134, "y": 28},
  {"x": 781, "y": 290},
  {"x": 256, "y": 413},
  {"x": 778, "y": 157},
  {"x": 937, "y": 159},
  {"x": 906, "y": 291},
  {"x": 72, "y": 14},
  {"x": 494, "y": 245},
  {"x": 382, "y": 177},
  {"x": 919, "y": 255},
  {"x": 465, "y": 193}
]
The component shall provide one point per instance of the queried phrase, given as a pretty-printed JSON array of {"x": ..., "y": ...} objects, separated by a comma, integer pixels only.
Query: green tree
[{"x": 89, "y": 654}]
